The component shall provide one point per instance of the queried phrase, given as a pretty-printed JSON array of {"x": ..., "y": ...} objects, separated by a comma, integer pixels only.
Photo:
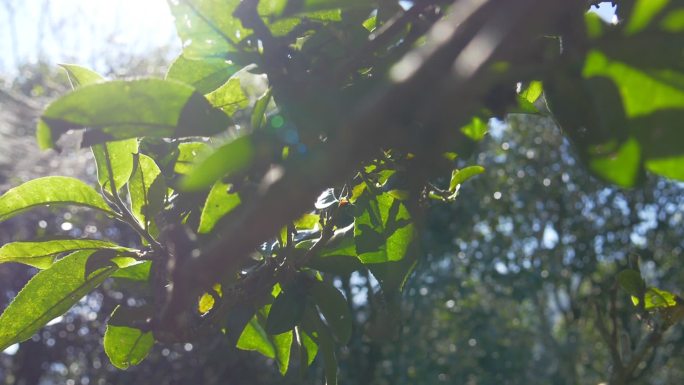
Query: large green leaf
[
  {"x": 125, "y": 345},
  {"x": 207, "y": 28},
  {"x": 126, "y": 109},
  {"x": 283, "y": 346},
  {"x": 383, "y": 230},
  {"x": 49, "y": 294},
  {"x": 643, "y": 91},
  {"x": 254, "y": 337},
  {"x": 51, "y": 190},
  {"x": 219, "y": 203},
  {"x": 114, "y": 161},
  {"x": 335, "y": 310},
  {"x": 230, "y": 158},
  {"x": 286, "y": 311},
  {"x": 204, "y": 75},
  {"x": 384, "y": 237},
  {"x": 42, "y": 254},
  {"x": 148, "y": 191}
]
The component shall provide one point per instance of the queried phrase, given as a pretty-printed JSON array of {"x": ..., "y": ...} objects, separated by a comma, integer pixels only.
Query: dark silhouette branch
[{"x": 449, "y": 72}]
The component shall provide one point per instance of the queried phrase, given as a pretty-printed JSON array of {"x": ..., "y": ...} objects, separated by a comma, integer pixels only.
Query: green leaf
[
  {"x": 655, "y": 298},
  {"x": 147, "y": 190},
  {"x": 207, "y": 301},
  {"x": 228, "y": 159},
  {"x": 117, "y": 156},
  {"x": 283, "y": 346},
  {"x": 204, "y": 75},
  {"x": 49, "y": 294},
  {"x": 230, "y": 97},
  {"x": 339, "y": 258},
  {"x": 384, "y": 235},
  {"x": 671, "y": 167},
  {"x": 104, "y": 258},
  {"x": 207, "y": 28},
  {"x": 642, "y": 14},
  {"x": 187, "y": 153},
  {"x": 309, "y": 348},
  {"x": 286, "y": 311},
  {"x": 533, "y": 91},
  {"x": 630, "y": 280},
  {"x": 335, "y": 310},
  {"x": 674, "y": 21},
  {"x": 462, "y": 175},
  {"x": 307, "y": 222},
  {"x": 621, "y": 167},
  {"x": 306, "y": 6},
  {"x": 81, "y": 76},
  {"x": 643, "y": 92},
  {"x": 43, "y": 254},
  {"x": 219, "y": 203},
  {"x": 254, "y": 338},
  {"x": 312, "y": 324},
  {"x": 475, "y": 130},
  {"x": 139, "y": 271},
  {"x": 125, "y": 109},
  {"x": 126, "y": 346},
  {"x": 258, "y": 117},
  {"x": 383, "y": 230},
  {"x": 51, "y": 190}
]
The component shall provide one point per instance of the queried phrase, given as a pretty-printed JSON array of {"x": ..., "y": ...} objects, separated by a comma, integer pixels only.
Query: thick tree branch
[{"x": 472, "y": 36}]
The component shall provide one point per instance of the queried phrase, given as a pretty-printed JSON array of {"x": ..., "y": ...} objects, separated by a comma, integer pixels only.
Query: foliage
[{"x": 376, "y": 104}]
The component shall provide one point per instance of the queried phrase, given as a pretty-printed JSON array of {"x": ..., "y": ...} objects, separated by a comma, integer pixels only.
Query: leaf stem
[{"x": 125, "y": 215}]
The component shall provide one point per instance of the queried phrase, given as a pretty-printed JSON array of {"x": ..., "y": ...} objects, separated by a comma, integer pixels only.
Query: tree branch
[{"x": 383, "y": 119}]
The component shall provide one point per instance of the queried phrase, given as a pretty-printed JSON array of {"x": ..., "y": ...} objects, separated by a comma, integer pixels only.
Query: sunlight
[{"x": 82, "y": 31}]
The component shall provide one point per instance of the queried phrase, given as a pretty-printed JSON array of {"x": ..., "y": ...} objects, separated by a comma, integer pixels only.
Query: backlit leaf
[
  {"x": 51, "y": 190},
  {"x": 219, "y": 203},
  {"x": 462, "y": 175},
  {"x": 384, "y": 236},
  {"x": 43, "y": 254},
  {"x": 81, "y": 76},
  {"x": 126, "y": 346},
  {"x": 204, "y": 75},
  {"x": 116, "y": 156},
  {"x": 230, "y": 158},
  {"x": 335, "y": 310},
  {"x": 49, "y": 294},
  {"x": 125, "y": 109},
  {"x": 147, "y": 190}
]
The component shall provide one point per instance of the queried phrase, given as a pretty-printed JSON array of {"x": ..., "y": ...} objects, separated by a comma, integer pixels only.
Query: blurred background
[{"x": 513, "y": 287}]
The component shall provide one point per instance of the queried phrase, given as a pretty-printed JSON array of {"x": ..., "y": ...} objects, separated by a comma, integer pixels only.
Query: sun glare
[{"x": 81, "y": 30}]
